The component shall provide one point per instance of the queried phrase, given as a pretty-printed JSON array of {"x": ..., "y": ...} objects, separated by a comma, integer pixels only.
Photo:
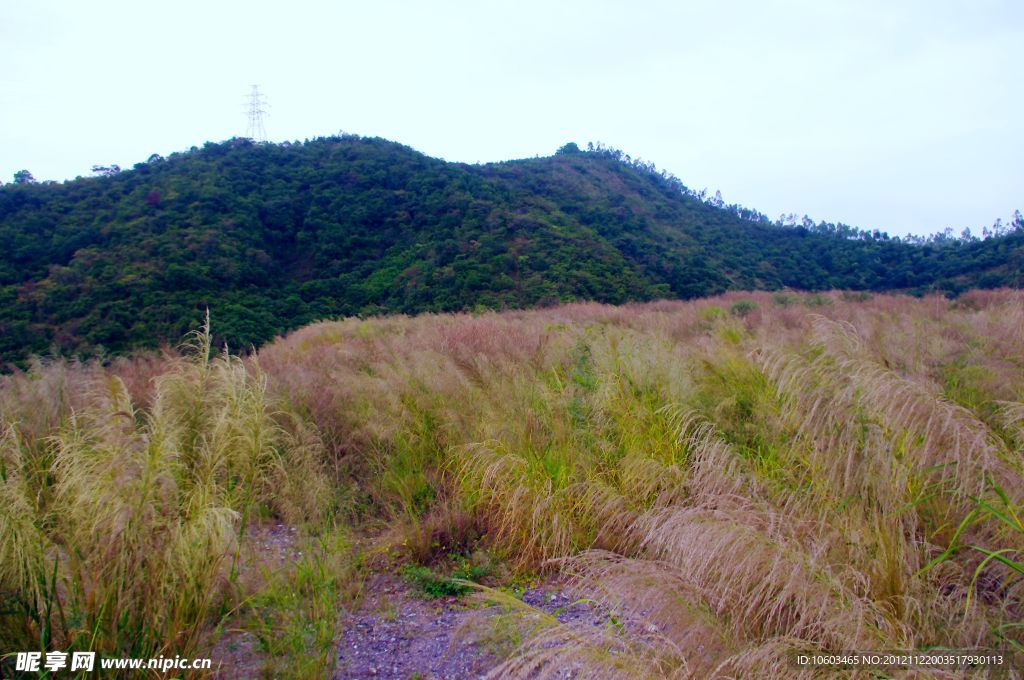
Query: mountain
[{"x": 272, "y": 236}]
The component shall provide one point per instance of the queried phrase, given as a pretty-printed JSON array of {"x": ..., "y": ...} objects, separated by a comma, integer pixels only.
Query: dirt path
[{"x": 397, "y": 634}]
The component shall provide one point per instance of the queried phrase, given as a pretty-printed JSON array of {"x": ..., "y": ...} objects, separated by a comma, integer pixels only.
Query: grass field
[{"x": 740, "y": 479}]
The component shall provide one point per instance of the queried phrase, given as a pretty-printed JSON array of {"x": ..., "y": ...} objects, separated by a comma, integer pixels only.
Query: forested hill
[{"x": 270, "y": 237}]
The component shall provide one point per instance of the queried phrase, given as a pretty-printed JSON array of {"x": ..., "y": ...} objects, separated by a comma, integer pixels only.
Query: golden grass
[
  {"x": 121, "y": 526},
  {"x": 833, "y": 475}
]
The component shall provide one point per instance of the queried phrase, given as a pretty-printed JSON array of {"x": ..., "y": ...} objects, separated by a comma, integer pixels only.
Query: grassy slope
[
  {"x": 272, "y": 237},
  {"x": 748, "y": 476}
]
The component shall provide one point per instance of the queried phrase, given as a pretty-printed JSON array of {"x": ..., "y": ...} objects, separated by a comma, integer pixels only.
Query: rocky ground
[
  {"x": 237, "y": 652},
  {"x": 398, "y": 634}
]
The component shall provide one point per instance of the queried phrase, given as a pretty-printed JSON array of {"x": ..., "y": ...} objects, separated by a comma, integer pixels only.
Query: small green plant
[
  {"x": 432, "y": 585},
  {"x": 783, "y": 299},
  {"x": 742, "y": 308},
  {"x": 583, "y": 373},
  {"x": 817, "y": 300},
  {"x": 388, "y": 611},
  {"x": 295, "y": 616},
  {"x": 856, "y": 295},
  {"x": 1005, "y": 514},
  {"x": 465, "y": 570},
  {"x": 711, "y": 313}
]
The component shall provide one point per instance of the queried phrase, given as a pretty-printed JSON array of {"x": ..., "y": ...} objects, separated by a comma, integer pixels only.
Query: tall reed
[{"x": 120, "y": 526}]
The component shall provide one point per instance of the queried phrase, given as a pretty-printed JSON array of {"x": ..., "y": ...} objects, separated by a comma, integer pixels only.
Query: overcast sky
[{"x": 893, "y": 114}]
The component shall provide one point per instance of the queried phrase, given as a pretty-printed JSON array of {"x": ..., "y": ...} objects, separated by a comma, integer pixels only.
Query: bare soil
[
  {"x": 397, "y": 634},
  {"x": 237, "y": 654}
]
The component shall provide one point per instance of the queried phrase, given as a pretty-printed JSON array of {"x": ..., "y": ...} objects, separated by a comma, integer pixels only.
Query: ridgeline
[{"x": 270, "y": 237}]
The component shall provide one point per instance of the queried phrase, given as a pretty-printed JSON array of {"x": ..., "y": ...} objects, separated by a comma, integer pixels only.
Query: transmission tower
[{"x": 257, "y": 109}]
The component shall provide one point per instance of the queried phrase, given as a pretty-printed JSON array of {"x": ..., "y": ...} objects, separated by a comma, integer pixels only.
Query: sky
[{"x": 896, "y": 115}]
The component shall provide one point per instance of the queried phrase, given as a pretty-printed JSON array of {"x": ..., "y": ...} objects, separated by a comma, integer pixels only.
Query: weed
[
  {"x": 295, "y": 614},
  {"x": 784, "y": 299},
  {"x": 817, "y": 300},
  {"x": 742, "y": 308},
  {"x": 429, "y": 584}
]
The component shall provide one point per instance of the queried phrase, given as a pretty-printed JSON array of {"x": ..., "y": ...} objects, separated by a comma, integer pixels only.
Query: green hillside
[{"x": 273, "y": 236}]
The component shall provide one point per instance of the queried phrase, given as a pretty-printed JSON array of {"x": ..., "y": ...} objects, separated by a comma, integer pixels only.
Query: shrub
[
  {"x": 711, "y": 313},
  {"x": 856, "y": 295},
  {"x": 784, "y": 299},
  {"x": 817, "y": 300},
  {"x": 742, "y": 308}
]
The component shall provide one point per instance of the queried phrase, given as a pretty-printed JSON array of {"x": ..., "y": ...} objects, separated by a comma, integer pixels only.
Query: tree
[
  {"x": 105, "y": 171},
  {"x": 24, "y": 177}
]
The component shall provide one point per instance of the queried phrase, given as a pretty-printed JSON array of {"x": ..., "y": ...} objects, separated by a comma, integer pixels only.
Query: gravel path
[
  {"x": 396, "y": 634},
  {"x": 237, "y": 655}
]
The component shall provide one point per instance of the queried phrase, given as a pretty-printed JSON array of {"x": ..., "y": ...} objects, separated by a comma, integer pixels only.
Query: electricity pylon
[{"x": 257, "y": 109}]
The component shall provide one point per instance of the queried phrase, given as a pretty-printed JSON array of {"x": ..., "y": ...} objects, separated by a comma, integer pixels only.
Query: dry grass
[
  {"x": 121, "y": 526},
  {"x": 794, "y": 474},
  {"x": 816, "y": 473}
]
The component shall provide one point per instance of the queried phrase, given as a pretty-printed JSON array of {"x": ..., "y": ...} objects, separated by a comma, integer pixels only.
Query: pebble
[{"x": 423, "y": 636}]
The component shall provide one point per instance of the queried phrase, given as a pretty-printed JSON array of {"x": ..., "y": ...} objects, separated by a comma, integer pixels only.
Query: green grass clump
[
  {"x": 712, "y": 313},
  {"x": 431, "y": 585},
  {"x": 782, "y": 299},
  {"x": 817, "y": 300},
  {"x": 295, "y": 614},
  {"x": 742, "y": 307}
]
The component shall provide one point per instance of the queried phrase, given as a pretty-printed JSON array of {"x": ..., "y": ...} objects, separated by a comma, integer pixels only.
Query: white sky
[{"x": 901, "y": 115}]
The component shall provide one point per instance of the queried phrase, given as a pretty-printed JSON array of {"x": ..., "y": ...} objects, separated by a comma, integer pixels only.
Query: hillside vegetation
[
  {"x": 735, "y": 479},
  {"x": 272, "y": 237}
]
